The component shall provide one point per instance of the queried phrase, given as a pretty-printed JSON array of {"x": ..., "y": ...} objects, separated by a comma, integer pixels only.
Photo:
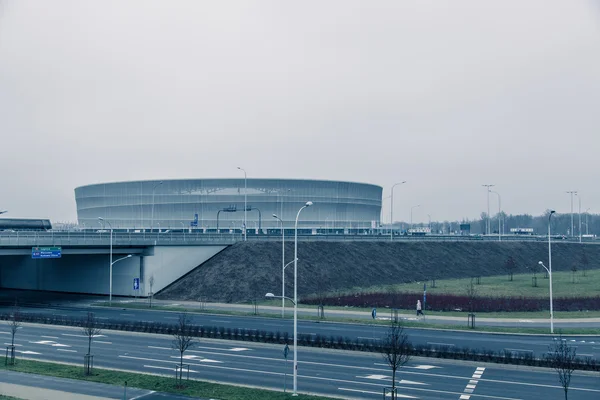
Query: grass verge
[{"x": 152, "y": 382}]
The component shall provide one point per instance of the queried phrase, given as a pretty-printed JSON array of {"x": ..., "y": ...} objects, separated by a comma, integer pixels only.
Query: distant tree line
[{"x": 561, "y": 224}]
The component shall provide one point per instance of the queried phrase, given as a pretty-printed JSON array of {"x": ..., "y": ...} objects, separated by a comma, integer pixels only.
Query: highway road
[
  {"x": 350, "y": 375},
  {"x": 587, "y": 346}
]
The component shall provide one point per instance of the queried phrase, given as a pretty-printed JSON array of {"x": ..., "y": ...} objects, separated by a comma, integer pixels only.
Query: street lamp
[
  {"x": 572, "y": 192},
  {"x": 499, "y": 211},
  {"x": 110, "y": 261},
  {"x": 429, "y": 225},
  {"x": 549, "y": 269},
  {"x": 152, "y": 216},
  {"x": 487, "y": 226},
  {"x": 587, "y": 227},
  {"x": 308, "y": 204},
  {"x": 411, "y": 214},
  {"x": 392, "y": 209},
  {"x": 282, "y": 264},
  {"x": 245, "y": 199},
  {"x": 579, "y": 198}
]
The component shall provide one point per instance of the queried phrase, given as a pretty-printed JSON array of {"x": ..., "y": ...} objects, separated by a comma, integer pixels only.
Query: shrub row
[
  {"x": 451, "y": 302},
  {"x": 320, "y": 341}
]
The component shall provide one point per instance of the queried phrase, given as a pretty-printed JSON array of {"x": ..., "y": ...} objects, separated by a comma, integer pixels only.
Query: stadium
[{"x": 217, "y": 205}]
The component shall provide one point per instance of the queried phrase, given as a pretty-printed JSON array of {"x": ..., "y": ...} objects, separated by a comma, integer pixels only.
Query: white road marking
[
  {"x": 81, "y": 336},
  {"x": 585, "y": 355},
  {"x": 127, "y": 315},
  {"x": 239, "y": 349},
  {"x": 470, "y": 388},
  {"x": 70, "y": 351},
  {"x": 60, "y": 345},
  {"x": 50, "y": 337},
  {"x": 425, "y": 367},
  {"x": 398, "y": 395},
  {"x": 197, "y": 358},
  {"x": 171, "y": 317},
  {"x": 8, "y": 344},
  {"x": 6, "y": 333},
  {"x": 27, "y": 352},
  {"x": 161, "y": 348},
  {"x": 523, "y": 350},
  {"x": 440, "y": 344},
  {"x": 525, "y": 320},
  {"x": 368, "y": 338},
  {"x": 99, "y": 341}
]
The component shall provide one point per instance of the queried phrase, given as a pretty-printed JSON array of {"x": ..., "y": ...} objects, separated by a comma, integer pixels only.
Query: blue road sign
[
  {"x": 136, "y": 283},
  {"x": 46, "y": 252}
]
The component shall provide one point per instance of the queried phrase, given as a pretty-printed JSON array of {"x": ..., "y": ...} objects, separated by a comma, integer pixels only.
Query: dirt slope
[{"x": 250, "y": 269}]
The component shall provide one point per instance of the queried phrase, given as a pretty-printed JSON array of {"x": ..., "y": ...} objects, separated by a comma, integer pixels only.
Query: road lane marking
[
  {"x": 239, "y": 349},
  {"x": 9, "y": 344},
  {"x": 27, "y": 352},
  {"x": 160, "y": 348},
  {"x": 368, "y": 338},
  {"x": 81, "y": 336},
  {"x": 440, "y": 344},
  {"x": 70, "y": 351},
  {"x": 398, "y": 395},
  {"x": 127, "y": 315},
  {"x": 171, "y": 317},
  {"x": 585, "y": 355},
  {"x": 220, "y": 321},
  {"x": 49, "y": 337},
  {"x": 470, "y": 388},
  {"x": 387, "y": 377}
]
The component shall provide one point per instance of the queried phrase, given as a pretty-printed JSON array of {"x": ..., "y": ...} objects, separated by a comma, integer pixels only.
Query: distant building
[{"x": 211, "y": 204}]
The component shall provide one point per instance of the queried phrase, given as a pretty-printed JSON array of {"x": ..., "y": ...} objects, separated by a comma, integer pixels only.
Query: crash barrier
[{"x": 306, "y": 340}]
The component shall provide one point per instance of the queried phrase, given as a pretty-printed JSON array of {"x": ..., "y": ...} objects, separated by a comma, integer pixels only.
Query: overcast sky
[{"x": 447, "y": 95}]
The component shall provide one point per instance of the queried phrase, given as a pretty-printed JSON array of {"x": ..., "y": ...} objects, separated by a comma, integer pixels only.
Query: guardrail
[{"x": 82, "y": 238}]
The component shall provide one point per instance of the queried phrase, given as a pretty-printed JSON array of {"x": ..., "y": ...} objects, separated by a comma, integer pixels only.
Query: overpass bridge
[{"x": 84, "y": 264}]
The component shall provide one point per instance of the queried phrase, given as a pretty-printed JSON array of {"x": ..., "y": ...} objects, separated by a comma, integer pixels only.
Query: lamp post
[
  {"x": 392, "y": 209},
  {"x": 572, "y": 192},
  {"x": 152, "y": 216},
  {"x": 587, "y": 227},
  {"x": 182, "y": 229},
  {"x": 411, "y": 214},
  {"x": 308, "y": 204},
  {"x": 429, "y": 224},
  {"x": 245, "y": 199},
  {"x": 487, "y": 225},
  {"x": 579, "y": 212},
  {"x": 549, "y": 269},
  {"x": 499, "y": 212},
  {"x": 110, "y": 261},
  {"x": 282, "y": 265}
]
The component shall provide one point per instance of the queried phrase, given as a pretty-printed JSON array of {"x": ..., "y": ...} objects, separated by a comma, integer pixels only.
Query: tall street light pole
[
  {"x": 245, "y": 200},
  {"x": 411, "y": 214},
  {"x": 110, "y": 261},
  {"x": 587, "y": 227},
  {"x": 282, "y": 266},
  {"x": 487, "y": 225},
  {"x": 152, "y": 216},
  {"x": 549, "y": 269},
  {"x": 579, "y": 212},
  {"x": 499, "y": 217},
  {"x": 308, "y": 204},
  {"x": 572, "y": 192},
  {"x": 392, "y": 209}
]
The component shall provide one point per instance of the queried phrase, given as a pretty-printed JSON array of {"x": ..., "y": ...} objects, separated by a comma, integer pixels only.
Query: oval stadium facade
[{"x": 217, "y": 205}]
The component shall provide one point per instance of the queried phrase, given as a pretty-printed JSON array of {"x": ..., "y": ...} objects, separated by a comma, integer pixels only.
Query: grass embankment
[
  {"x": 501, "y": 286},
  {"x": 152, "y": 382}
]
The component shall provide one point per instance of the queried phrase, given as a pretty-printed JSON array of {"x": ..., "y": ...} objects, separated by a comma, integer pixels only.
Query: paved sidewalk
[{"x": 40, "y": 387}]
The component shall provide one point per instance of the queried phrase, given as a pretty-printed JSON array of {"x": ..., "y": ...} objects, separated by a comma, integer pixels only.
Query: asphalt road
[
  {"x": 335, "y": 373},
  {"x": 587, "y": 346}
]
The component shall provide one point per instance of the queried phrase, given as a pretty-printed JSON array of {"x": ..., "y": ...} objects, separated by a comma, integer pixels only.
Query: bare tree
[
  {"x": 257, "y": 295},
  {"x": 91, "y": 329},
  {"x": 574, "y": 271},
  {"x": 471, "y": 292},
  {"x": 584, "y": 262},
  {"x": 15, "y": 323},
  {"x": 562, "y": 358},
  {"x": 510, "y": 265},
  {"x": 182, "y": 338},
  {"x": 151, "y": 294},
  {"x": 396, "y": 350}
]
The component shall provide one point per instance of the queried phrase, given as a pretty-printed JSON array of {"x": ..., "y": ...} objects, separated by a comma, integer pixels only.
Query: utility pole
[
  {"x": 487, "y": 225},
  {"x": 572, "y": 192}
]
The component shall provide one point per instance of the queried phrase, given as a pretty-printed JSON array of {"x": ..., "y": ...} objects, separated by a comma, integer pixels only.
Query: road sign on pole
[
  {"x": 136, "y": 283},
  {"x": 46, "y": 252}
]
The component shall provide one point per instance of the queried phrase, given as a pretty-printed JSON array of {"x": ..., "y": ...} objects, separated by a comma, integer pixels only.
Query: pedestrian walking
[{"x": 419, "y": 310}]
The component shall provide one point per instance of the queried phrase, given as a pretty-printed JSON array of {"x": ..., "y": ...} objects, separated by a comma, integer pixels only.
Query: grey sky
[{"x": 447, "y": 95}]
